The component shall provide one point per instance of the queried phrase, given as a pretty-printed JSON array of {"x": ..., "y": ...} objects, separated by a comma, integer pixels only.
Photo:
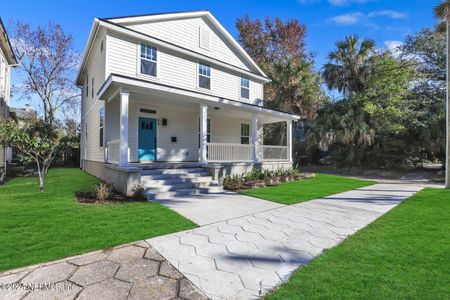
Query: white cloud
[
  {"x": 347, "y": 19},
  {"x": 394, "y": 47},
  {"x": 388, "y": 13},
  {"x": 347, "y": 2},
  {"x": 356, "y": 18}
]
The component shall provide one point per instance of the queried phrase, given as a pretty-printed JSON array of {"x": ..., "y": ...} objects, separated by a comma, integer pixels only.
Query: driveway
[
  {"x": 211, "y": 208},
  {"x": 244, "y": 257}
]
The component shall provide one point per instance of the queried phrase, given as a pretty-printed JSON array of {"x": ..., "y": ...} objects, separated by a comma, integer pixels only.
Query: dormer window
[{"x": 149, "y": 58}]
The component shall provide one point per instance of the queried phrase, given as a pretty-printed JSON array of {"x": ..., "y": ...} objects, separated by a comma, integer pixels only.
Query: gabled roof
[
  {"x": 6, "y": 45},
  {"x": 119, "y": 23}
]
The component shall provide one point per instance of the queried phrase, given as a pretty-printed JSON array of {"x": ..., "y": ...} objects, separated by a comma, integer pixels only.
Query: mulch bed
[
  {"x": 247, "y": 184},
  {"x": 89, "y": 198}
]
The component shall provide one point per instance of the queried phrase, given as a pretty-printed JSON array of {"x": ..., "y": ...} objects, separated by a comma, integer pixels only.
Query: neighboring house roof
[
  {"x": 118, "y": 22},
  {"x": 5, "y": 45},
  {"x": 22, "y": 113}
]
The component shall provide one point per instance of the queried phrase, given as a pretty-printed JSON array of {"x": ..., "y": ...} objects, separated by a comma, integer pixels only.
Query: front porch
[{"x": 183, "y": 131}]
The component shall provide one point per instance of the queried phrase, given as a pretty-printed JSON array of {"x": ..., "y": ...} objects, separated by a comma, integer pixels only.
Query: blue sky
[{"x": 385, "y": 21}]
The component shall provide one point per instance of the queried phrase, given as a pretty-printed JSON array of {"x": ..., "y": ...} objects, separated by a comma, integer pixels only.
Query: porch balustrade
[
  {"x": 112, "y": 151},
  {"x": 229, "y": 152},
  {"x": 275, "y": 153}
]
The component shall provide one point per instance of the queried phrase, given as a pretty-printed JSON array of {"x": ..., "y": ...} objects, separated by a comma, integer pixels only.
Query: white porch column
[
  {"x": 203, "y": 133},
  {"x": 289, "y": 139},
  {"x": 255, "y": 139},
  {"x": 124, "y": 99}
]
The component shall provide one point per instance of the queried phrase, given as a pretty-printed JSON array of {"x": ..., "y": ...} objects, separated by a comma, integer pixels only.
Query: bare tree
[{"x": 49, "y": 61}]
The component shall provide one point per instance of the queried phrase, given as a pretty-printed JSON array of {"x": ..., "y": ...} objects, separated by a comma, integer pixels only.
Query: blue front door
[{"x": 147, "y": 139}]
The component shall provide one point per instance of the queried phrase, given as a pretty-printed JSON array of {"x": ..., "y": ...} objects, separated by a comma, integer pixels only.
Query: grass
[
  {"x": 37, "y": 227},
  {"x": 405, "y": 254},
  {"x": 299, "y": 191}
]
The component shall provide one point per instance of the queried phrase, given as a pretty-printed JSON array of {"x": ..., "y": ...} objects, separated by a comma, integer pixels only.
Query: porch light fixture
[{"x": 164, "y": 122}]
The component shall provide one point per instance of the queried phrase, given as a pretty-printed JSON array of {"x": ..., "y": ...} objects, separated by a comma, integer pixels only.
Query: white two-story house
[
  {"x": 7, "y": 60},
  {"x": 172, "y": 91}
]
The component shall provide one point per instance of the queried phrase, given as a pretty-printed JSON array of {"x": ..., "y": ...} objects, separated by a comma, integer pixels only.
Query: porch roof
[{"x": 115, "y": 81}]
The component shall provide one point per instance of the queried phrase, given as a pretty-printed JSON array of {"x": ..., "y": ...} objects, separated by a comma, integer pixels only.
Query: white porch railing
[
  {"x": 112, "y": 151},
  {"x": 275, "y": 153},
  {"x": 229, "y": 152}
]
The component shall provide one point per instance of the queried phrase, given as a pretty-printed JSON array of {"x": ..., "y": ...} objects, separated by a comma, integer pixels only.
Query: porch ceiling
[{"x": 143, "y": 90}]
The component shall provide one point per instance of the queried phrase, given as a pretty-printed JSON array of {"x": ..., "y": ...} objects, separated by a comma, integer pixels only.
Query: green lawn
[
  {"x": 299, "y": 191},
  {"x": 405, "y": 254},
  {"x": 37, "y": 227}
]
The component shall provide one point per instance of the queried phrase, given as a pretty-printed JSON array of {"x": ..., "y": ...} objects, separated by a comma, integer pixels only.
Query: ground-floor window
[{"x": 245, "y": 133}]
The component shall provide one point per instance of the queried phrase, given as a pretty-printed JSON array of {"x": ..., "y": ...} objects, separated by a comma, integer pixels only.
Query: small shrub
[
  {"x": 103, "y": 191},
  {"x": 138, "y": 191},
  {"x": 232, "y": 182}
]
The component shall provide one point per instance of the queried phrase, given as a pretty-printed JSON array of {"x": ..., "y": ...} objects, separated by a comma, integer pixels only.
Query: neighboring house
[
  {"x": 20, "y": 114},
  {"x": 172, "y": 90},
  {"x": 7, "y": 60}
]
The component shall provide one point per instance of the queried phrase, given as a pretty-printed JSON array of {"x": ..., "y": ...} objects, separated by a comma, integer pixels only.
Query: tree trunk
[{"x": 41, "y": 182}]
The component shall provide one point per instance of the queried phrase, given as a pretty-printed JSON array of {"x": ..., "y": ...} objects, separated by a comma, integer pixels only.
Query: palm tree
[
  {"x": 349, "y": 65},
  {"x": 442, "y": 12}
]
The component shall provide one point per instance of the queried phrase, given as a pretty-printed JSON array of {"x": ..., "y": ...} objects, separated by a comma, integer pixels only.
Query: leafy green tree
[
  {"x": 425, "y": 53},
  {"x": 442, "y": 12},
  {"x": 367, "y": 127},
  {"x": 36, "y": 140},
  {"x": 279, "y": 49},
  {"x": 350, "y": 65}
]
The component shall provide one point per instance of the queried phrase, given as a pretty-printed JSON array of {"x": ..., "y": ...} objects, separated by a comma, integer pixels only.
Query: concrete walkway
[
  {"x": 244, "y": 257},
  {"x": 211, "y": 208}
]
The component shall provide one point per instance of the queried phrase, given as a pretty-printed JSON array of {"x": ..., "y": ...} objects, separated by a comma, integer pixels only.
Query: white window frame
[
  {"x": 210, "y": 77},
  {"x": 245, "y": 136},
  {"x": 139, "y": 51},
  {"x": 2, "y": 75},
  {"x": 92, "y": 86},
  {"x": 101, "y": 127},
  {"x": 243, "y": 87},
  {"x": 87, "y": 85}
]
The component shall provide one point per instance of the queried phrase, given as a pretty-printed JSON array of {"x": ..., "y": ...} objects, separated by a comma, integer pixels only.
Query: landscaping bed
[
  {"x": 263, "y": 178},
  {"x": 116, "y": 197}
]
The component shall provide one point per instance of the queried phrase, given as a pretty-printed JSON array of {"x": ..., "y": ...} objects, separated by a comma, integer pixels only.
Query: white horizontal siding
[
  {"x": 95, "y": 68},
  {"x": 181, "y": 123},
  {"x": 174, "y": 70},
  {"x": 186, "y": 33},
  {"x": 93, "y": 150}
]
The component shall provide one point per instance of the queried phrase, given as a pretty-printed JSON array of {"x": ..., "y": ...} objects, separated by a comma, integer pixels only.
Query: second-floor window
[
  {"x": 87, "y": 85},
  {"x": 204, "y": 76},
  {"x": 245, "y": 88},
  {"x": 149, "y": 59}
]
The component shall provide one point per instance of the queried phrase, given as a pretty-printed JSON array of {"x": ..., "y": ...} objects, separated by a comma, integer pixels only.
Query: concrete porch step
[
  {"x": 183, "y": 192},
  {"x": 172, "y": 171},
  {"x": 174, "y": 176},
  {"x": 195, "y": 180}
]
